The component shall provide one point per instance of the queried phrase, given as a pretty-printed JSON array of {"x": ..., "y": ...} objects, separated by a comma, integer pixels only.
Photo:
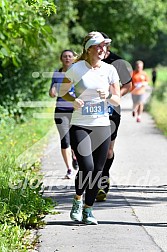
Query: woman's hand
[
  {"x": 52, "y": 92},
  {"x": 78, "y": 103},
  {"x": 138, "y": 85},
  {"x": 103, "y": 93}
]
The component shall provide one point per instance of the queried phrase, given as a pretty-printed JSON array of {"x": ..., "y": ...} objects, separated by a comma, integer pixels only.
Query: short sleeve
[
  {"x": 113, "y": 76},
  {"x": 124, "y": 70},
  {"x": 69, "y": 74}
]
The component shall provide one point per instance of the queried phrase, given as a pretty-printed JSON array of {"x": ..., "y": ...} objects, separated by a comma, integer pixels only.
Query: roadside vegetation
[
  {"x": 22, "y": 206},
  {"x": 158, "y": 104}
]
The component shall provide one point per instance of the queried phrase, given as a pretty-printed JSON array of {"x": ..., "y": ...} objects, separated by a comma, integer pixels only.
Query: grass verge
[
  {"x": 157, "y": 106},
  {"x": 22, "y": 206}
]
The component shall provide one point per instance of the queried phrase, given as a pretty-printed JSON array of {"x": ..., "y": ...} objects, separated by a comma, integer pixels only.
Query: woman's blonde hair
[{"x": 84, "y": 54}]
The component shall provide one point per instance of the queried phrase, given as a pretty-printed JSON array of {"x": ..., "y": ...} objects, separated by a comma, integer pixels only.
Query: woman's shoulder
[
  {"x": 108, "y": 67},
  {"x": 73, "y": 67},
  {"x": 78, "y": 63}
]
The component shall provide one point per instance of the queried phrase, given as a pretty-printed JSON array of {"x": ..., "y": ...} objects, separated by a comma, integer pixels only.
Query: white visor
[{"x": 96, "y": 40}]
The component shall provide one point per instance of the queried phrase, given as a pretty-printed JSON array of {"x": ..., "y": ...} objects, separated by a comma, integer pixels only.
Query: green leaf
[
  {"x": 15, "y": 61},
  {"x": 5, "y": 52},
  {"x": 48, "y": 29},
  {"x": 10, "y": 26}
]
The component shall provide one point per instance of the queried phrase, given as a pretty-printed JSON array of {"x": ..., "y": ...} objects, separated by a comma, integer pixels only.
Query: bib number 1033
[{"x": 90, "y": 108}]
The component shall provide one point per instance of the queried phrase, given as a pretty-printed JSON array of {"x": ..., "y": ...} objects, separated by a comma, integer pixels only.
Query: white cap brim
[{"x": 97, "y": 39}]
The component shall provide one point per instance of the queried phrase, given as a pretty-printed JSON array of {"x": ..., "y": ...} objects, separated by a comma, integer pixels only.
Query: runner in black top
[
  {"x": 154, "y": 76},
  {"x": 123, "y": 69}
]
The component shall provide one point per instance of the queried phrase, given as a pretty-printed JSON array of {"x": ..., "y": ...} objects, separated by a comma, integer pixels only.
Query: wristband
[{"x": 109, "y": 96}]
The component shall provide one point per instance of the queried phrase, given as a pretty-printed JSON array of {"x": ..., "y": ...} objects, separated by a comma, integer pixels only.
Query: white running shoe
[{"x": 69, "y": 174}]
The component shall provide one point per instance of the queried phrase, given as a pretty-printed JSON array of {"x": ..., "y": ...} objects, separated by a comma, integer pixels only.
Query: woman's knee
[{"x": 110, "y": 152}]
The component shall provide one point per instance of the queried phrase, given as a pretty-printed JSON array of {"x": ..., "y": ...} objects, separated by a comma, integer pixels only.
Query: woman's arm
[
  {"x": 126, "y": 88},
  {"x": 64, "y": 90},
  {"x": 114, "y": 94},
  {"x": 64, "y": 93},
  {"x": 53, "y": 86},
  {"x": 52, "y": 91}
]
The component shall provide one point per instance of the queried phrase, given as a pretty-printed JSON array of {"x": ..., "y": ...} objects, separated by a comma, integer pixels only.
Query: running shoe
[
  {"x": 107, "y": 186},
  {"x": 101, "y": 195},
  {"x": 133, "y": 113},
  {"x": 75, "y": 164},
  {"x": 88, "y": 217},
  {"x": 69, "y": 174},
  {"x": 76, "y": 211},
  {"x": 138, "y": 119}
]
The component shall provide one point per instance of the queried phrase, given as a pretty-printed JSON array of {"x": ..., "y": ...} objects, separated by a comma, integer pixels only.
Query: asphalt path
[{"x": 134, "y": 216}]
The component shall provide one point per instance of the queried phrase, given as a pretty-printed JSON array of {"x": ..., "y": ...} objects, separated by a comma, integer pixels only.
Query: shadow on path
[
  {"x": 118, "y": 196},
  {"x": 71, "y": 223}
]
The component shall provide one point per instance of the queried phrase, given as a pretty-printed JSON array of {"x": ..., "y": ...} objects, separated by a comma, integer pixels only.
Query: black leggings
[
  {"x": 62, "y": 119},
  {"x": 90, "y": 145}
]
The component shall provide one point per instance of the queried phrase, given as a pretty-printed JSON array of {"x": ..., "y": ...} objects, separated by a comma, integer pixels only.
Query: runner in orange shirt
[{"x": 139, "y": 82}]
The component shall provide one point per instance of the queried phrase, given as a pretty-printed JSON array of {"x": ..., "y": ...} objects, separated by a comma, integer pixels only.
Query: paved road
[{"x": 134, "y": 217}]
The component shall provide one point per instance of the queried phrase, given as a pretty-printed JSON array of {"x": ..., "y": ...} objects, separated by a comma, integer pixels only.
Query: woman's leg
[
  {"x": 85, "y": 162},
  {"x": 99, "y": 157},
  {"x": 67, "y": 157},
  {"x": 62, "y": 120},
  {"x": 140, "y": 107},
  {"x": 77, "y": 135},
  {"x": 91, "y": 147}
]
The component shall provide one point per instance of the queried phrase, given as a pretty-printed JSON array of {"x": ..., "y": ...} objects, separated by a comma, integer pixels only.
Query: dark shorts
[
  {"x": 62, "y": 120},
  {"x": 115, "y": 119}
]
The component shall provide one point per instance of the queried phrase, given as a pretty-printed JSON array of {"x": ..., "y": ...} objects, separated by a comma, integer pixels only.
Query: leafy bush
[
  {"x": 161, "y": 93},
  {"x": 13, "y": 238},
  {"x": 158, "y": 103},
  {"x": 22, "y": 205},
  {"x": 24, "y": 38}
]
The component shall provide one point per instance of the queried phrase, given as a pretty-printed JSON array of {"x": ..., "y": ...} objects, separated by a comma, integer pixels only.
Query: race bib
[
  {"x": 110, "y": 109},
  {"x": 138, "y": 85},
  {"x": 92, "y": 108}
]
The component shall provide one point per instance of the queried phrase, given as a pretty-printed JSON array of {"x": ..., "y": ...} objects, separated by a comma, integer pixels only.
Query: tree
[
  {"x": 124, "y": 21},
  {"x": 24, "y": 35},
  {"x": 23, "y": 29}
]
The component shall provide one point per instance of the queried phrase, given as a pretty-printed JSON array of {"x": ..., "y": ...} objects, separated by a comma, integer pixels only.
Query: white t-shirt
[{"x": 86, "y": 81}]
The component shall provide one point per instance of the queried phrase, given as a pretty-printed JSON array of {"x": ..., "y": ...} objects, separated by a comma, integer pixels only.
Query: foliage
[
  {"x": 24, "y": 34},
  {"x": 21, "y": 201},
  {"x": 62, "y": 23},
  {"x": 159, "y": 112},
  {"x": 22, "y": 205},
  {"x": 34, "y": 32},
  {"x": 13, "y": 238},
  {"x": 137, "y": 28},
  {"x": 124, "y": 21},
  {"x": 158, "y": 103},
  {"x": 23, "y": 30},
  {"x": 152, "y": 55}
]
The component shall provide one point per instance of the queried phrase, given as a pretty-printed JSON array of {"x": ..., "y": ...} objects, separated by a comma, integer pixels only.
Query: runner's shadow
[
  {"x": 118, "y": 196},
  {"x": 120, "y": 223}
]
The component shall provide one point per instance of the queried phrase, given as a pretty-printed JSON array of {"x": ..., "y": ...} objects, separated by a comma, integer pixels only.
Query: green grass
[
  {"x": 161, "y": 75},
  {"x": 159, "y": 112},
  {"x": 12, "y": 239},
  {"x": 22, "y": 206},
  {"x": 158, "y": 103}
]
